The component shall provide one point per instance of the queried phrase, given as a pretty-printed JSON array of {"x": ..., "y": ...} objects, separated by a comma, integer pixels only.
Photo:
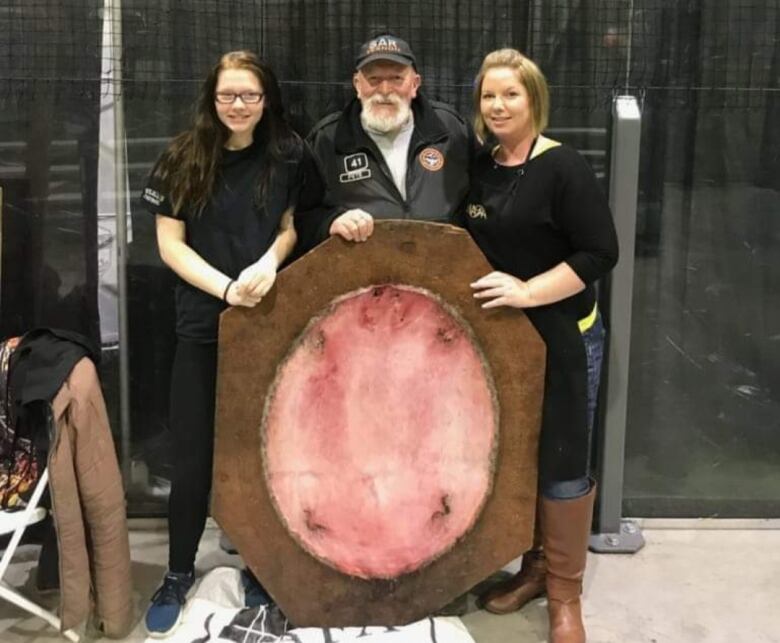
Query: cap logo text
[{"x": 383, "y": 44}]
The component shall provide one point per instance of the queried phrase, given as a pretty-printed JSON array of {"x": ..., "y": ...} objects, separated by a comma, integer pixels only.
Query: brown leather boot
[
  {"x": 513, "y": 593},
  {"x": 566, "y": 529}
]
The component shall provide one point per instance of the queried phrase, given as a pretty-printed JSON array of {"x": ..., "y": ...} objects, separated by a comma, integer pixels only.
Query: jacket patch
[
  {"x": 431, "y": 159},
  {"x": 355, "y": 168}
]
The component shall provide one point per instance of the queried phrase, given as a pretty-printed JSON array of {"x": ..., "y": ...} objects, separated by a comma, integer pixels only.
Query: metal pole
[
  {"x": 616, "y": 534},
  {"x": 113, "y": 16}
]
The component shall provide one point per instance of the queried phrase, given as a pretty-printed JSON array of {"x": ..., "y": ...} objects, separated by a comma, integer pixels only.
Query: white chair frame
[{"x": 17, "y": 522}]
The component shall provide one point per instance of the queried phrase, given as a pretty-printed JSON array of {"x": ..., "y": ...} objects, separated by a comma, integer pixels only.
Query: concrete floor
[{"x": 695, "y": 581}]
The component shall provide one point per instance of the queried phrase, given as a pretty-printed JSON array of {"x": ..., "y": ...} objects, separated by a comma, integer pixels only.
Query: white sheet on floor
[{"x": 214, "y": 614}]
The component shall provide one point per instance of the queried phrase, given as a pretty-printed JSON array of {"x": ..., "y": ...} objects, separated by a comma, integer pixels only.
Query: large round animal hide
[{"x": 379, "y": 432}]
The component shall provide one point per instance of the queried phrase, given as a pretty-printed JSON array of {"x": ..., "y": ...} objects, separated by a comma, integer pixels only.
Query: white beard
[{"x": 384, "y": 124}]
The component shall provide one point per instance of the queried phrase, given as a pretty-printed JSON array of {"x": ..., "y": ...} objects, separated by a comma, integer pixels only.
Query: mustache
[{"x": 389, "y": 99}]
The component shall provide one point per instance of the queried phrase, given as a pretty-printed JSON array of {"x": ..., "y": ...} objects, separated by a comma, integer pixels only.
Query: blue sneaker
[
  {"x": 165, "y": 610},
  {"x": 254, "y": 593}
]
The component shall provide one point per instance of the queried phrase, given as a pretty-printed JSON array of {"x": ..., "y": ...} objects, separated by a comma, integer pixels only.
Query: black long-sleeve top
[{"x": 527, "y": 219}]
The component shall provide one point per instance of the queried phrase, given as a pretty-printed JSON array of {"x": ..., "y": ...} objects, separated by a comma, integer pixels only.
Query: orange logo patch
[{"x": 431, "y": 159}]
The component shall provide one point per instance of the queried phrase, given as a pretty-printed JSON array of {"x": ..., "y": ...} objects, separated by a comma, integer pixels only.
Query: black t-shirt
[{"x": 234, "y": 230}]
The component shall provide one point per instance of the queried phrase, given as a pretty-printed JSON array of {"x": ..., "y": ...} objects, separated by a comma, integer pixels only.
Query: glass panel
[{"x": 704, "y": 407}]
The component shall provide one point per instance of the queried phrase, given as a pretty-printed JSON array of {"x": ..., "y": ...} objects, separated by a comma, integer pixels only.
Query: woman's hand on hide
[{"x": 501, "y": 289}]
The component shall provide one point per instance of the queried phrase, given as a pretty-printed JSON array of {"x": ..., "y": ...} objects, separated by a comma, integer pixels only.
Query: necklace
[{"x": 519, "y": 170}]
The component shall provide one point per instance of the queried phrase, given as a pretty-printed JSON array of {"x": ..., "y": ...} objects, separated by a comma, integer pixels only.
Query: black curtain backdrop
[
  {"x": 704, "y": 404},
  {"x": 49, "y": 111}
]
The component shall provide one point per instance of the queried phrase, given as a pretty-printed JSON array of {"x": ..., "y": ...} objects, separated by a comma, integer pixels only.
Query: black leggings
[{"x": 193, "y": 383}]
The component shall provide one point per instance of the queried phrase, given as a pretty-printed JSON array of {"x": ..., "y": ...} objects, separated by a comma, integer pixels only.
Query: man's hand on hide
[{"x": 353, "y": 225}]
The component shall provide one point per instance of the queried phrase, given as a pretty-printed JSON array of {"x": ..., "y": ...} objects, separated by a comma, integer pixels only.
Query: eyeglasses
[{"x": 248, "y": 98}]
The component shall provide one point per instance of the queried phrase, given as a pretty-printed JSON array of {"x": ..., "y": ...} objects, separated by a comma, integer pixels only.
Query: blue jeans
[{"x": 593, "y": 338}]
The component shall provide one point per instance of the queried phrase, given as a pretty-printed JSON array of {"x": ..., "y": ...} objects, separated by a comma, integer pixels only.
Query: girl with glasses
[{"x": 223, "y": 195}]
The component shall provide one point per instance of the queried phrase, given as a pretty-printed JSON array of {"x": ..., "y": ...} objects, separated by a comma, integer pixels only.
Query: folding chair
[{"x": 16, "y": 522}]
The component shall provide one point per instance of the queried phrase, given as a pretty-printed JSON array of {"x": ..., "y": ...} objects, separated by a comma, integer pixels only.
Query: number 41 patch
[{"x": 355, "y": 168}]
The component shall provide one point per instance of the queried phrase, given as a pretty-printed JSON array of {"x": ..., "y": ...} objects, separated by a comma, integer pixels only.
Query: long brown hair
[{"x": 189, "y": 167}]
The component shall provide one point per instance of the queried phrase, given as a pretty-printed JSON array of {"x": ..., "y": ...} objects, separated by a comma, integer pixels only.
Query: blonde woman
[{"x": 539, "y": 216}]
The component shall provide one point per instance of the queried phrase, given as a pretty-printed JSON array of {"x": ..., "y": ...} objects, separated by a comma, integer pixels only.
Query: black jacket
[{"x": 437, "y": 177}]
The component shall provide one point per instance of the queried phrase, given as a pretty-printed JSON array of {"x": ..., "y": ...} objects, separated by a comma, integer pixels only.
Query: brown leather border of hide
[{"x": 442, "y": 259}]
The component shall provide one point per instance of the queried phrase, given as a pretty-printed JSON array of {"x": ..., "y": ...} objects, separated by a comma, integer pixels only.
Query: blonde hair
[{"x": 528, "y": 74}]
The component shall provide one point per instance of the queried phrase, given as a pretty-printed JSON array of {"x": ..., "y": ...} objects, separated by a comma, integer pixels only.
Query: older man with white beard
[{"x": 391, "y": 153}]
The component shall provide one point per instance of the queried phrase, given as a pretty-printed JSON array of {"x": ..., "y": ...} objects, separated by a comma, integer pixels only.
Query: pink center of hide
[{"x": 379, "y": 432}]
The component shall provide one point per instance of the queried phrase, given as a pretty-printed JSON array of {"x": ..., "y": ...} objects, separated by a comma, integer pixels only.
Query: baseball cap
[{"x": 385, "y": 47}]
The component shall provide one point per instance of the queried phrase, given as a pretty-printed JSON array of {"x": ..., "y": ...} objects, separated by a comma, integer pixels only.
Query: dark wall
[{"x": 703, "y": 405}]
